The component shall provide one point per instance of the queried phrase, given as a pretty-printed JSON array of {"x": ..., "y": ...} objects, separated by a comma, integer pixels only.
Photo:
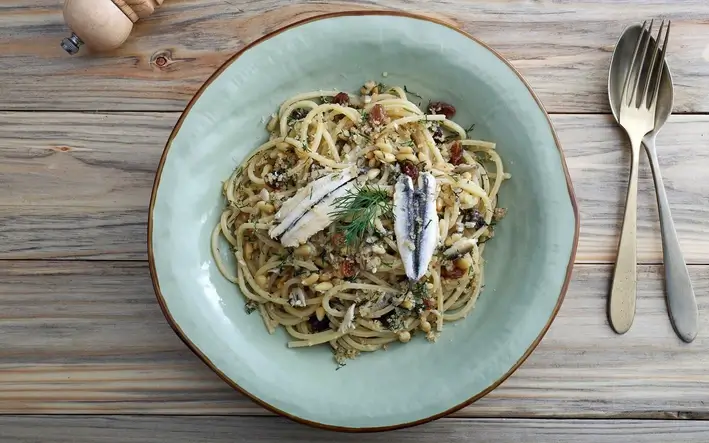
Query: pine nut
[
  {"x": 305, "y": 250},
  {"x": 322, "y": 287},
  {"x": 309, "y": 280},
  {"x": 389, "y": 158},
  {"x": 404, "y": 336},
  {"x": 410, "y": 157}
]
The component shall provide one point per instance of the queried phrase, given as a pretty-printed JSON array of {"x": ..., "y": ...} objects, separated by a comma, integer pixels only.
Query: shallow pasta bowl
[{"x": 528, "y": 265}]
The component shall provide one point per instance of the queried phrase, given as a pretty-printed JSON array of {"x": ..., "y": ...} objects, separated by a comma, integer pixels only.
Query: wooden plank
[
  {"x": 79, "y": 184},
  {"x": 89, "y": 338},
  {"x": 139, "y": 429},
  {"x": 562, "y": 47}
]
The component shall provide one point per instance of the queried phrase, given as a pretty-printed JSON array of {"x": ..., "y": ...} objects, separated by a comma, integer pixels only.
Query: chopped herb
[
  {"x": 364, "y": 114},
  {"x": 327, "y": 99},
  {"x": 286, "y": 259},
  {"x": 410, "y": 143},
  {"x": 419, "y": 291},
  {"x": 340, "y": 366},
  {"x": 470, "y": 129},
  {"x": 396, "y": 320},
  {"x": 250, "y": 306},
  {"x": 357, "y": 210},
  {"x": 412, "y": 93}
]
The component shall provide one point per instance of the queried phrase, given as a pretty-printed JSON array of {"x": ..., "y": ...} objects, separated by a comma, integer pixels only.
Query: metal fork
[{"x": 637, "y": 117}]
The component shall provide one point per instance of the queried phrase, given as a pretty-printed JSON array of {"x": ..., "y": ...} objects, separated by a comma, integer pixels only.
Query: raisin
[
  {"x": 338, "y": 239},
  {"x": 408, "y": 168},
  {"x": 456, "y": 153},
  {"x": 341, "y": 99},
  {"x": 441, "y": 108},
  {"x": 377, "y": 115},
  {"x": 429, "y": 303},
  {"x": 318, "y": 325},
  {"x": 453, "y": 273},
  {"x": 348, "y": 268}
]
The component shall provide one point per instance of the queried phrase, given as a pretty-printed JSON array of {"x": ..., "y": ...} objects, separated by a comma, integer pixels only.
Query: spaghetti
[{"x": 341, "y": 279}]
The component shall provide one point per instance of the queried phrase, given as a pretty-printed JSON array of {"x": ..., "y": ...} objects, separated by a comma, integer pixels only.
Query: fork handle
[
  {"x": 621, "y": 309},
  {"x": 681, "y": 303}
]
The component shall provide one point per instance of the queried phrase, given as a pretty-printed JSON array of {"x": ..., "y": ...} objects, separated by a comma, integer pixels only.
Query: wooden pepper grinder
[{"x": 103, "y": 24}]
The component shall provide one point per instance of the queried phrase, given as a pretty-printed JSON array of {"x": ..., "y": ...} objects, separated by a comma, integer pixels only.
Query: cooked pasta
[{"x": 362, "y": 220}]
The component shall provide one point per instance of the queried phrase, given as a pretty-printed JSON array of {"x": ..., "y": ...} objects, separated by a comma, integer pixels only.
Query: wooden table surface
[{"x": 85, "y": 353}]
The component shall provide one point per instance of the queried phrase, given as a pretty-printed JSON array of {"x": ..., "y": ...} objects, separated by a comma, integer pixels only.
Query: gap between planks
[
  {"x": 80, "y": 339},
  {"x": 215, "y": 429},
  {"x": 79, "y": 184}
]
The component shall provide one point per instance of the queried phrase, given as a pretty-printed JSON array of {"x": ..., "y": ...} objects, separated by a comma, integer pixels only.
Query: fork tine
[
  {"x": 663, "y": 51},
  {"x": 645, "y": 99},
  {"x": 628, "y": 76},
  {"x": 642, "y": 62}
]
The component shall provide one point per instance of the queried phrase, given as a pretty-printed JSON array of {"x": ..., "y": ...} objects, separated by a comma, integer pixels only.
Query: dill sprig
[
  {"x": 357, "y": 210},
  {"x": 469, "y": 129}
]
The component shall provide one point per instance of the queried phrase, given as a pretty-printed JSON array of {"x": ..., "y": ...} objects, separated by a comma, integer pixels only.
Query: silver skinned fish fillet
[
  {"x": 416, "y": 223},
  {"x": 308, "y": 211}
]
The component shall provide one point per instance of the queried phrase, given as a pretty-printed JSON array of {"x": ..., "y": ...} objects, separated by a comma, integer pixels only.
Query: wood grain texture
[
  {"x": 89, "y": 337},
  {"x": 77, "y": 185},
  {"x": 563, "y": 48},
  {"x": 141, "y": 429}
]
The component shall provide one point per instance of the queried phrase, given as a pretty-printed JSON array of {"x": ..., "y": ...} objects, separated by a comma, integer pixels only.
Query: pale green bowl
[{"x": 529, "y": 261}]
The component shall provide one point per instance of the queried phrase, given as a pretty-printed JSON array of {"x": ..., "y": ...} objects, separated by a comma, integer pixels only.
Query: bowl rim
[{"x": 151, "y": 259}]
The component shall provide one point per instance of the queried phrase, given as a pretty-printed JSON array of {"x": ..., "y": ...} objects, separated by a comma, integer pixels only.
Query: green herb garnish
[
  {"x": 357, "y": 210},
  {"x": 469, "y": 129}
]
